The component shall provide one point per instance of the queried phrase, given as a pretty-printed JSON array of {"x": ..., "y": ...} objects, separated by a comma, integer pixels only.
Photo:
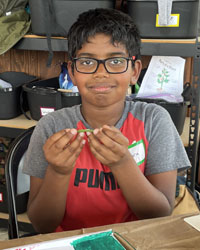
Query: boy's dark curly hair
[{"x": 118, "y": 25}]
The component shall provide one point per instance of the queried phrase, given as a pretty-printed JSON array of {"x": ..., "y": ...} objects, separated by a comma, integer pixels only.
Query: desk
[
  {"x": 13, "y": 127},
  {"x": 20, "y": 217},
  {"x": 165, "y": 233}
]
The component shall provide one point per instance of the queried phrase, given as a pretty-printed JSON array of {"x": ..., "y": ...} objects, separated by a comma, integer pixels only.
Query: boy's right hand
[{"x": 62, "y": 149}]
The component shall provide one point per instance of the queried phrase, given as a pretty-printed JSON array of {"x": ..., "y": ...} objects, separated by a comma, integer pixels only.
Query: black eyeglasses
[{"x": 113, "y": 65}]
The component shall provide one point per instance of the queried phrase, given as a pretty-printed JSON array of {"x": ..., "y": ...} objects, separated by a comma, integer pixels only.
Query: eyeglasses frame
[{"x": 132, "y": 59}]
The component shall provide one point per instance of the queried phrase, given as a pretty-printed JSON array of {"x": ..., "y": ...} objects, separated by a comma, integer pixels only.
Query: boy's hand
[
  {"x": 62, "y": 149},
  {"x": 109, "y": 146}
]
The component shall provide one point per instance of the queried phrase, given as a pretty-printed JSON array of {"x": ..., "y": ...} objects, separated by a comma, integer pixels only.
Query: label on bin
[
  {"x": 46, "y": 110},
  {"x": 173, "y": 21},
  {"x": 1, "y": 197}
]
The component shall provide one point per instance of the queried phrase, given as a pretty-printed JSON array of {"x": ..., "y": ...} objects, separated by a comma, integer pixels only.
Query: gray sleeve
[
  {"x": 166, "y": 151},
  {"x": 35, "y": 163}
]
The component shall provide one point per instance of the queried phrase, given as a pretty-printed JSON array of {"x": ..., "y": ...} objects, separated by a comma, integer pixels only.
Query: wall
[{"x": 34, "y": 63}]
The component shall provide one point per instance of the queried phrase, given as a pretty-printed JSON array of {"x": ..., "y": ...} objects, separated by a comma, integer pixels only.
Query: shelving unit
[
  {"x": 184, "y": 48},
  {"x": 14, "y": 127},
  {"x": 170, "y": 47},
  {"x": 164, "y": 47},
  {"x": 33, "y": 42}
]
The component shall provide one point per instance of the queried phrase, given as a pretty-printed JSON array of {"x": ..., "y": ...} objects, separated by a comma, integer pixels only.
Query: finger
[
  {"x": 104, "y": 146},
  {"x": 75, "y": 143},
  {"x": 104, "y": 155},
  {"x": 73, "y": 150},
  {"x": 111, "y": 142},
  {"x": 52, "y": 139},
  {"x": 66, "y": 157},
  {"x": 98, "y": 156},
  {"x": 115, "y": 134},
  {"x": 61, "y": 139},
  {"x": 66, "y": 139}
]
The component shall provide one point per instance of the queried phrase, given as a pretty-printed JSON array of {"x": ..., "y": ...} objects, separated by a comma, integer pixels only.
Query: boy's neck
[{"x": 97, "y": 117}]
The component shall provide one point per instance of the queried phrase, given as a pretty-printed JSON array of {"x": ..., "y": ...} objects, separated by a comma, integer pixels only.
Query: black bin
[
  {"x": 177, "y": 111},
  {"x": 10, "y": 97},
  {"x": 65, "y": 12},
  {"x": 144, "y": 14},
  {"x": 21, "y": 201},
  {"x": 43, "y": 97}
]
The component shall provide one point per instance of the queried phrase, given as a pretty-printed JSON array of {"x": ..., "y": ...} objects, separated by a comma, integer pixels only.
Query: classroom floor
[{"x": 3, "y": 234}]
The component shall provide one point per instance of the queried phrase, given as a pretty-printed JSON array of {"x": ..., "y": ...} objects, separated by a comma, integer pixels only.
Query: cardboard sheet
[
  {"x": 165, "y": 233},
  {"x": 103, "y": 240}
]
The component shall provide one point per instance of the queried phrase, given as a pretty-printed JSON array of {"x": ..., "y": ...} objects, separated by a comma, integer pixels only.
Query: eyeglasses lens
[{"x": 112, "y": 65}]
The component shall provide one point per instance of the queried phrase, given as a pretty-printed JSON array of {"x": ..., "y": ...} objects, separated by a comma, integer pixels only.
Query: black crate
[
  {"x": 66, "y": 13},
  {"x": 10, "y": 106},
  {"x": 43, "y": 97},
  {"x": 177, "y": 111},
  {"x": 144, "y": 14},
  {"x": 21, "y": 201}
]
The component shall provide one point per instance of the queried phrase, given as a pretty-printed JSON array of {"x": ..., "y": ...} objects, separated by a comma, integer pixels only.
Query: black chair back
[{"x": 15, "y": 154}]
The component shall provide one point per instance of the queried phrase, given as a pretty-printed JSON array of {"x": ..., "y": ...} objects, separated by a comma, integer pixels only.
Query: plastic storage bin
[
  {"x": 10, "y": 97},
  {"x": 21, "y": 201},
  {"x": 144, "y": 14},
  {"x": 65, "y": 12},
  {"x": 43, "y": 97},
  {"x": 177, "y": 111}
]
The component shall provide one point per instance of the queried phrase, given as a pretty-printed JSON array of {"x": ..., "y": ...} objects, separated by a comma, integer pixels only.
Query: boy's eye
[
  {"x": 86, "y": 62},
  {"x": 116, "y": 61}
]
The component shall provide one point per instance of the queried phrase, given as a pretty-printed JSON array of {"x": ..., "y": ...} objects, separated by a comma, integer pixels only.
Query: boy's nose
[{"x": 101, "y": 69}]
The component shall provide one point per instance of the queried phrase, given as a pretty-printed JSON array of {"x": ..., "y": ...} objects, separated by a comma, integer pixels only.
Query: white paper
[
  {"x": 57, "y": 244},
  {"x": 194, "y": 221},
  {"x": 164, "y": 78},
  {"x": 4, "y": 84}
]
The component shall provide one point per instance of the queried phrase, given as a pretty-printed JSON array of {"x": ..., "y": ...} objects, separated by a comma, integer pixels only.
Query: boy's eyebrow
[{"x": 107, "y": 55}]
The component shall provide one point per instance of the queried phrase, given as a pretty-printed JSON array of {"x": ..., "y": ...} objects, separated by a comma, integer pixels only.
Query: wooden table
[
  {"x": 13, "y": 127},
  {"x": 165, "y": 233}
]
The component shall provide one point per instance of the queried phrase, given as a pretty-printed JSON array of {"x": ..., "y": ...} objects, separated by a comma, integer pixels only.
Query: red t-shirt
[{"x": 94, "y": 197}]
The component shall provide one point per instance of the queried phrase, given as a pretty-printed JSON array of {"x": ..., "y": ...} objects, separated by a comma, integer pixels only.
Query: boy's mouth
[{"x": 101, "y": 88}]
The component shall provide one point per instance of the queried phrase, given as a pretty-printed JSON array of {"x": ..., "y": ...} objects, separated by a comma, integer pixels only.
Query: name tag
[{"x": 137, "y": 150}]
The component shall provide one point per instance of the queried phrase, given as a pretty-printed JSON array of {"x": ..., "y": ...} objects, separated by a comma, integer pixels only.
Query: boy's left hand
[{"x": 109, "y": 146}]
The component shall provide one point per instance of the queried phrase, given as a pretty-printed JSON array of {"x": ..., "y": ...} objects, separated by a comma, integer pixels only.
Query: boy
[{"x": 84, "y": 179}]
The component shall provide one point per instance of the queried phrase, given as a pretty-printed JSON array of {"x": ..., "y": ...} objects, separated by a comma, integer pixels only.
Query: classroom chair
[
  {"x": 185, "y": 201},
  {"x": 14, "y": 156}
]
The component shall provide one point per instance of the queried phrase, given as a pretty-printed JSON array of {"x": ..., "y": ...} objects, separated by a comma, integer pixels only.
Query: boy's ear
[
  {"x": 70, "y": 72},
  {"x": 136, "y": 72}
]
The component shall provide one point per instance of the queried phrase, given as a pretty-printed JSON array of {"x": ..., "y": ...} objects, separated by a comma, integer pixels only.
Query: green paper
[{"x": 100, "y": 241}]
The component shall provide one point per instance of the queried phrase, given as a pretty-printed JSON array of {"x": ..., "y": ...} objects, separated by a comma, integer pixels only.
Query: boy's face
[{"x": 102, "y": 88}]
